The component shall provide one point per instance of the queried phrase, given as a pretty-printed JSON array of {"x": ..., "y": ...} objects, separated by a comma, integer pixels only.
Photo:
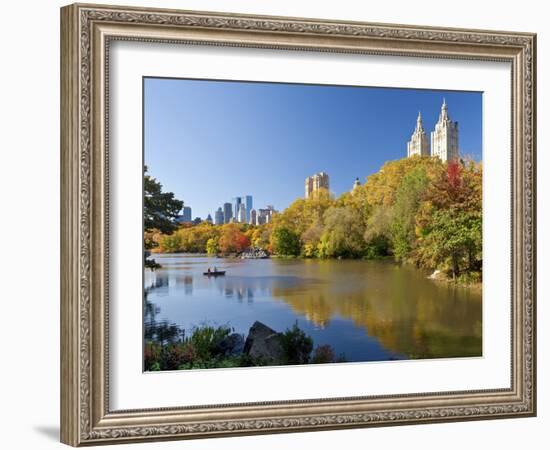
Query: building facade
[
  {"x": 445, "y": 136},
  {"x": 185, "y": 216},
  {"x": 315, "y": 182},
  {"x": 227, "y": 212},
  {"x": 253, "y": 217},
  {"x": 418, "y": 145},
  {"x": 237, "y": 202},
  {"x": 218, "y": 217},
  {"x": 248, "y": 203},
  {"x": 241, "y": 216}
]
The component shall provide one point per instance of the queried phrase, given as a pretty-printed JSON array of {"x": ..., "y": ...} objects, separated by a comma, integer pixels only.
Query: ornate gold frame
[{"x": 86, "y": 31}]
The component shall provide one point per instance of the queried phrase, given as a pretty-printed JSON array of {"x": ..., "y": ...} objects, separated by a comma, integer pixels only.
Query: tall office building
[
  {"x": 218, "y": 217},
  {"x": 418, "y": 145},
  {"x": 237, "y": 202},
  {"x": 208, "y": 218},
  {"x": 185, "y": 216},
  {"x": 248, "y": 202},
  {"x": 241, "y": 216},
  {"x": 445, "y": 136},
  {"x": 315, "y": 182},
  {"x": 253, "y": 217},
  {"x": 227, "y": 212}
]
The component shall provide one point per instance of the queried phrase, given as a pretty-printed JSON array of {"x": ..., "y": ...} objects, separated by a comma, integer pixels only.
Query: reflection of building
[
  {"x": 241, "y": 216},
  {"x": 418, "y": 145},
  {"x": 218, "y": 217},
  {"x": 316, "y": 182},
  {"x": 227, "y": 212},
  {"x": 445, "y": 136},
  {"x": 253, "y": 217}
]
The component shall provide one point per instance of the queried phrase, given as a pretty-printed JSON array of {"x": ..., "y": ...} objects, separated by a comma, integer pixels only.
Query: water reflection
[{"x": 365, "y": 310}]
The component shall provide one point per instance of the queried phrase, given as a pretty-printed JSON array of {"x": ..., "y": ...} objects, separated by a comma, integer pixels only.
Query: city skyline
[{"x": 266, "y": 138}]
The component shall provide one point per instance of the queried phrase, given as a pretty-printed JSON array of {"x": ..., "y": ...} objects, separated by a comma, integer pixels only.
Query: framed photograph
[{"x": 276, "y": 224}]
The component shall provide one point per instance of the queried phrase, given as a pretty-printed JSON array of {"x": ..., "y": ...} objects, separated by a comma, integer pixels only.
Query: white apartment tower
[
  {"x": 418, "y": 145},
  {"x": 316, "y": 182},
  {"x": 445, "y": 136},
  {"x": 241, "y": 215}
]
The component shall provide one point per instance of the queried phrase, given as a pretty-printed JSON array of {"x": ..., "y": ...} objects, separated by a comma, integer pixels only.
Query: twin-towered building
[
  {"x": 444, "y": 138},
  {"x": 316, "y": 182}
]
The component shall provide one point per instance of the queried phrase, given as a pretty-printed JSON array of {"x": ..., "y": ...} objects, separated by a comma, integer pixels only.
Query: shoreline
[{"x": 477, "y": 286}]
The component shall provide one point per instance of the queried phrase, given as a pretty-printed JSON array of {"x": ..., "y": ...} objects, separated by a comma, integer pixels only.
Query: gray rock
[
  {"x": 232, "y": 345},
  {"x": 263, "y": 343}
]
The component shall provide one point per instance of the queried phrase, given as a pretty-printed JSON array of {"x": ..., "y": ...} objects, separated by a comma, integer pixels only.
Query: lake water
[{"x": 366, "y": 310}]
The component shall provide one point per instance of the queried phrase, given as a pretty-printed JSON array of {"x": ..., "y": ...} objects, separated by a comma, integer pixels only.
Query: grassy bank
[{"x": 167, "y": 347}]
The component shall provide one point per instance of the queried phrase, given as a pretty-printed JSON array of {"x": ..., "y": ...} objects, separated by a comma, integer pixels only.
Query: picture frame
[{"x": 87, "y": 32}]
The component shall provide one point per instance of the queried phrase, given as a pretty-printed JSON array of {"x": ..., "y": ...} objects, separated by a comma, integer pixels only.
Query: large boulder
[
  {"x": 231, "y": 345},
  {"x": 264, "y": 343}
]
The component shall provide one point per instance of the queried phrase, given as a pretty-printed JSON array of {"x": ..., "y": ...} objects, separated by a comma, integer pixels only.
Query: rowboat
[{"x": 219, "y": 273}]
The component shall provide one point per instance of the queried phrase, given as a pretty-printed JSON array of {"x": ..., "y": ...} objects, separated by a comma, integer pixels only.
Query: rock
[
  {"x": 437, "y": 275},
  {"x": 232, "y": 345},
  {"x": 263, "y": 343}
]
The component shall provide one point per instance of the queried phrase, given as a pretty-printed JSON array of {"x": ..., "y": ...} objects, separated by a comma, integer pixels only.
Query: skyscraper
[
  {"x": 185, "y": 216},
  {"x": 218, "y": 217},
  {"x": 237, "y": 201},
  {"x": 248, "y": 202},
  {"x": 227, "y": 212},
  {"x": 316, "y": 182},
  {"x": 241, "y": 216},
  {"x": 253, "y": 217},
  {"x": 418, "y": 145},
  {"x": 445, "y": 136},
  {"x": 208, "y": 218}
]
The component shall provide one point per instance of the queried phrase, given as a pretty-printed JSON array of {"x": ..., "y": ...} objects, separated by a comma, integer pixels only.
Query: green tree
[
  {"x": 451, "y": 241},
  {"x": 160, "y": 210},
  {"x": 212, "y": 246},
  {"x": 407, "y": 201},
  {"x": 343, "y": 233},
  {"x": 285, "y": 242}
]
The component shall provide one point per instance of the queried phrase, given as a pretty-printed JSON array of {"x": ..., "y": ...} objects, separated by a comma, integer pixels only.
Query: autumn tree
[
  {"x": 232, "y": 240},
  {"x": 449, "y": 223}
]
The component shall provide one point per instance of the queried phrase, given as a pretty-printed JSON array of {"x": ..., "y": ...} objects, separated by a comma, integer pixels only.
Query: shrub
[
  {"x": 151, "y": 356},
  {"x": 206, "y": 338},
  {"x": 323, "y": 354},
  {"x": 297, "y": 345}
]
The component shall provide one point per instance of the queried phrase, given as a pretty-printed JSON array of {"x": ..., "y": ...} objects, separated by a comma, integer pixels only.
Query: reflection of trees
[
  {"x": 160, "y": 332},
  {"x": 408, "y": 314}
]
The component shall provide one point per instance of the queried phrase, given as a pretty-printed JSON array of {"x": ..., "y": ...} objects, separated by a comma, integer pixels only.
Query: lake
[{"x": 366, "y": 310}]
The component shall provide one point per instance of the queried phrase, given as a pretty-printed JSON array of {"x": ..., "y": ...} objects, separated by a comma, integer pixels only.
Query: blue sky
[{"x": 209, "y": 141}]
